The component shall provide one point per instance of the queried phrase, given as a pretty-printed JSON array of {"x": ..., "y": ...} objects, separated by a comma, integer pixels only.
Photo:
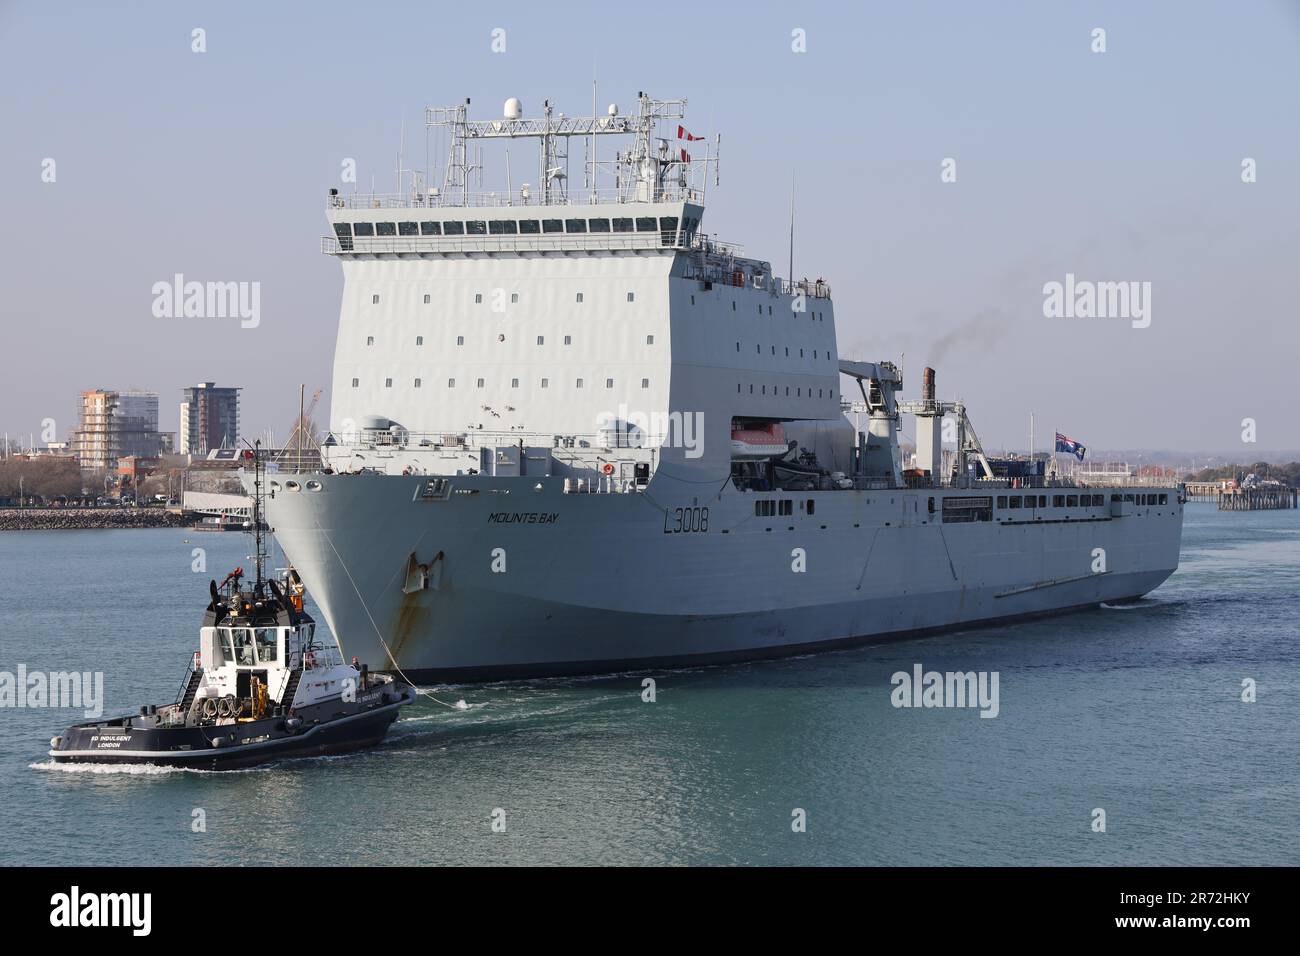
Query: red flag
[
  {"x": 689, "y": 137},
  {"x": 686, "y": 157}
]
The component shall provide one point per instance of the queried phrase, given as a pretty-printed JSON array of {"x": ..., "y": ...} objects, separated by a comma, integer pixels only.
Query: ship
[
  {"x": 263, "y": 686},
  {"x": 572, "y": 432}
]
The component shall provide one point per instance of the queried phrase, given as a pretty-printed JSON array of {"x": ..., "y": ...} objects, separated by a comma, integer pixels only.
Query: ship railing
[{"x": 499, "y": 199}]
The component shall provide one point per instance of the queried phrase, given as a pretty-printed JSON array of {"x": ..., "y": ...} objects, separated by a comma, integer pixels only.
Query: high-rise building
[
  {"x": 116, "y": 424},
  {"x": 209, "y": 418}
]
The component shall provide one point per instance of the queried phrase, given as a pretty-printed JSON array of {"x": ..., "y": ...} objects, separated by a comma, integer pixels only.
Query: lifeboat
[{"x": 758, "y": 442}]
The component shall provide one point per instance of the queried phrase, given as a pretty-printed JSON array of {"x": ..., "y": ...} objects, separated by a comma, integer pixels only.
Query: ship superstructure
[{"x": 573, "y": 431}]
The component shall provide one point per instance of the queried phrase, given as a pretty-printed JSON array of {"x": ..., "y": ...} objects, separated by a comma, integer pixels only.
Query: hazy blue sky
[{"x": 1123, "y": 165}]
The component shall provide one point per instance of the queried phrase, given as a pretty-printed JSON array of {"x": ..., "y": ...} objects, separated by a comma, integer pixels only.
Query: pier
[{"x": 1257, "y": 499}]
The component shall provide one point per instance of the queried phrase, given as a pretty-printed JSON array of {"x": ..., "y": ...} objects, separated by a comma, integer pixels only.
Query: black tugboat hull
[{"x": 232, "y": 746}]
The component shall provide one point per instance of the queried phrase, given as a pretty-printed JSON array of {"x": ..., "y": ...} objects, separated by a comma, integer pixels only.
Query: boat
[
  {"x": 529, "y": 468},
  {"x": 263, "y": 686}
]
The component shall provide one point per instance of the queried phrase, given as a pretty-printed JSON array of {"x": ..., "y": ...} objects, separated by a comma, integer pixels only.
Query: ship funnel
[{"x": 927, "y": 385}]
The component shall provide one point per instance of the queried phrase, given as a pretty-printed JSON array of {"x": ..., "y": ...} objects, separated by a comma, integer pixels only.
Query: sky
[{"x": 1119, "y": 165}]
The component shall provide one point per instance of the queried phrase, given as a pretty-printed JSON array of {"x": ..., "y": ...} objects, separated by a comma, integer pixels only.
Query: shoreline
[{"x": 91, "y": 519}]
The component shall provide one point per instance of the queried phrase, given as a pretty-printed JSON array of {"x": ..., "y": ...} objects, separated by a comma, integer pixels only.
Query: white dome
[{"x": 513, "y": 109}]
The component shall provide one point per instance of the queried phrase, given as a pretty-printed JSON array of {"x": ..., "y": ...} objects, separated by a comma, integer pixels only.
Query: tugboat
[{"x": 260, "y": 687}]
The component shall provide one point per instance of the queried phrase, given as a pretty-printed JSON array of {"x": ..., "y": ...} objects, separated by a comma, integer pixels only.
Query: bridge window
[
  {"x": 364, "y": 228},
  {"x": 431, "y": 229},
  {"x": 385, "y": 229},
  {"x": 504, "y": 227},
  {"x": 646, "y": 224},
  {"x": 668, "y": 226},
  {"x": 408, "y": 228},
  {"x": 453, "y": 228},
  {"x": 342, "y": 229},
  {"x": 476, "y": 227},
  {"x": 598, "y": 225},
  {"x": 552, "y": 225},
  {"x": 530, "y": 227},
  {"x": 575, "y": 225},
  {"x": 623, "y": 224}
]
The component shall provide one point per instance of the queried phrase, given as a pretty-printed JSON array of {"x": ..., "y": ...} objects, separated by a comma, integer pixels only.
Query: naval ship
[{"x": 573, "y": 432}]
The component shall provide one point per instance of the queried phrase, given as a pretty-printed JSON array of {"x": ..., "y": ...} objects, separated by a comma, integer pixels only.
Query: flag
[
  {"x": 686, "y": 157},
  {"x": 682, "y": 133},
  {"x": 1070, "y": 446}
]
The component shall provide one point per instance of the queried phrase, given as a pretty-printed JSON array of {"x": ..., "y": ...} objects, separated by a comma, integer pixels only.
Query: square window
[
  {"x": 568, "y": 340},
  {"x": 386, "y": 228},
  {"x": 514, "y": 383},
  {"x": 388, "y": 383},
  {"x": 631, "y": 296},
  {"x": 478, "y": 298},
  {"x": 419, "y": 340},
  {"x": 649, "y": 340},
  {"x": 514, "y": 297},
  {"x": 374, "y": 299},
  {"x": 480, "y": 383},
  {"x": 460, "y": 340},
  {"x": 370, "y": 340},
  {"x": 356, "y": 382},
  {"x": 408, "y": 228},
  {"x": 451, "y": 383},
  {"x": 417, "y": 383},
  {"x": 541, "y": 340},
  {"x": 426, "y": 298},
  {"x": 609, "y": 383},
  {"x": 431, "y": 229},
  {"x": 579, "y": 383},
  {"x": 645, "y": 383},
  {"x": 546, "y": 382},
  {"x": 579, "y": 297}
]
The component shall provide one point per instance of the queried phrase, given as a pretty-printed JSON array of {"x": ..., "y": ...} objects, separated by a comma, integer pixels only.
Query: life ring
[
  {"x": 309, "y": 660},
  {"x": 607, "y": 469}
]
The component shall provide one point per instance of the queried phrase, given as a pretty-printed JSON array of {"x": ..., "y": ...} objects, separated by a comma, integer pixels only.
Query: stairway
[
  {"x": 191, "y": 688},
  {"x": 291, "y": 688}
]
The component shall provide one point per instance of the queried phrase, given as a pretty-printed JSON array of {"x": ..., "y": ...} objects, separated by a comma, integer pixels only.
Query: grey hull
[{"x": 524, "y": 582}]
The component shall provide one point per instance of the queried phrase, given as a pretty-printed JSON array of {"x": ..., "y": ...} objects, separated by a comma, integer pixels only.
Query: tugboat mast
[{"x": 259, "y": 550}]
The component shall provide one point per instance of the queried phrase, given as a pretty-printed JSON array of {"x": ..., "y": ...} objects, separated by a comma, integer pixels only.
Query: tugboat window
[
  {"x": 266, "y": 645},
  {"x": 227, "y": 650},
  {"x": 244, "y": 646}
]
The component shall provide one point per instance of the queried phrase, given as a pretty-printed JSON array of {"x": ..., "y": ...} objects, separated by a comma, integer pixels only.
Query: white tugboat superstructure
[{"x": 556, "y": 428}]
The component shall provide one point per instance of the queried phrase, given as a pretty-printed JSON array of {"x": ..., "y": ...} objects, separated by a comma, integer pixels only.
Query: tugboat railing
[{"x": 194, "y": 665}]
